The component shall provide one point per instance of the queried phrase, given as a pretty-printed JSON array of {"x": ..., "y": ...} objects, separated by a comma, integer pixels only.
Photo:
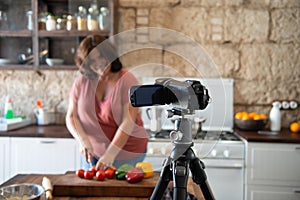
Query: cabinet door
[
  {"x": 4, "y": 159},
  {"x": 43, "y": 155},
  {"x": 16, "y": 43},
  {"x": 272, "y": 193},
  {"x": 273, "y": 164}
]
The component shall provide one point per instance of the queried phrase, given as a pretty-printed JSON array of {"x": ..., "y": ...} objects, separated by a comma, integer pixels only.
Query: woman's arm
[
  {"x": 75, "y": 128},
  {"x": 121, "y": 137}
]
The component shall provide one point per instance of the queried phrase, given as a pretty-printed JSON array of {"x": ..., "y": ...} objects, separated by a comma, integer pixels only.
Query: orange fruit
[
  {"x": 263, "y": 116},
  {"x": 246, "y": 116},
  {"x": 252, "y": 115},
  {"x": 257, "y": 117},
  {"x": 238, "y": 115},
  {"x": 295, "y": 127}
]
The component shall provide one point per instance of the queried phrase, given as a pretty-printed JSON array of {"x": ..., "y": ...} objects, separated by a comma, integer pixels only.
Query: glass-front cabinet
[{"x": 44, "y": 34}]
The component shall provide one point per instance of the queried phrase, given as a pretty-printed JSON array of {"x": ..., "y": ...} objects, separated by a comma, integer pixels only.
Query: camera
[{"x": 190, "y": 94}]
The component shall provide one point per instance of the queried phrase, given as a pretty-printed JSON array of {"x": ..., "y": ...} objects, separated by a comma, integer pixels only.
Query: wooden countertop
[
  {"x": 284, "y": 136},
  {"x": 48, "y": 131},
  {"x": 68, "y": 186},
  {"x": 61, "y": 131}
]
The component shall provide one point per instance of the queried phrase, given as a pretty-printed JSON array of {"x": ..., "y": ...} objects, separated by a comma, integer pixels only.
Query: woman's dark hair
[{"x": 106, "y": 49}]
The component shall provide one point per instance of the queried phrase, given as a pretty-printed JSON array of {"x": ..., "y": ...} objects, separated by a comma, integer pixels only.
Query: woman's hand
[
  {"x": 104, "y": 162},
  {"x": 87, "y": 154}
]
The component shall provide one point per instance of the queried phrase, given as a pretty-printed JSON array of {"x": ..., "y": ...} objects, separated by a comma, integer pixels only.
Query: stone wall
[{"x": 255, "y": 42}]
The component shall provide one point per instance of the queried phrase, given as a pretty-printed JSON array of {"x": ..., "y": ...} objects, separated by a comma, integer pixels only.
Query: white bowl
[
  {"x": 54, "y": 61},
  {"x": 4, "y": 61}
]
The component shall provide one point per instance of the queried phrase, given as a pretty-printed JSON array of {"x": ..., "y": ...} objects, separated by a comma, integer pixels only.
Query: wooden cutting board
[{"x": 69, "y": 185}]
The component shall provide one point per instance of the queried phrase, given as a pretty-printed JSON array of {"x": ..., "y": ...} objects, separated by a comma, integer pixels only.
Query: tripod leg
[
  {"x": 163, "y": 181},
  {"x": 199, "y": 177},
  {"x": 180, "y": 179}
]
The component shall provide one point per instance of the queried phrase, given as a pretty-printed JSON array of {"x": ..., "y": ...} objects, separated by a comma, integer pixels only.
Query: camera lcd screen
[{"x": 146, "y": 95}]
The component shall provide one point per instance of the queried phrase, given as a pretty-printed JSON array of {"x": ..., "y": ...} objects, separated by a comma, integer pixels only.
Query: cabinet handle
[
  {"x": 47, "y": 142},
  {"x": 297, "y": 191},
  {"x": 297, "y": 148}
]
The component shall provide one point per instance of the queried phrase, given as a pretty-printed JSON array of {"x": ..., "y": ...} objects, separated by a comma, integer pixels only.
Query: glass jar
[
  {"x": 92, "y": 18},
  {"x": 104, "y": 21},
  {"x": 81, "y": 19},
  {"x": 42, "y": 21},
  {"x": 3, "y": 20},
  {"x": 50, "y": 23},
  {"x": 61, "y": 24},
  {"x": 71, "y": 23},
  {"x": 29, "y": 20}
]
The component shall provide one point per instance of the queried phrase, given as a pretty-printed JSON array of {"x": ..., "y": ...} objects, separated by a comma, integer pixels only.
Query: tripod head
[{"x": 181, "y": 136}]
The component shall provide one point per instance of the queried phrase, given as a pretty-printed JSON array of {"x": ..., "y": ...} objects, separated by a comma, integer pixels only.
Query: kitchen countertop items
[{"x": 69, "y": 185}]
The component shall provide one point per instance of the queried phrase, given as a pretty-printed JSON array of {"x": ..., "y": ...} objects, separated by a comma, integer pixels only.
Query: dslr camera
[{"x": 190, "y": 94}]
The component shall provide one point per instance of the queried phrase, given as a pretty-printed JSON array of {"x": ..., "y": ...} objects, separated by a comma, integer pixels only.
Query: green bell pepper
[{"x": 122, "y": 171}]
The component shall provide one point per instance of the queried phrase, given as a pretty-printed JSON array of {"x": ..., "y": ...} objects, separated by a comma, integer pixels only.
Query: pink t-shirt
[{"x": 101, "y": 119}]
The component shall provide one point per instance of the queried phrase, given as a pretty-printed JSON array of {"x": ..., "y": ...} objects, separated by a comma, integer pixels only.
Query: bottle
[
  {"x": 104, "y": 19},
  {"x": 92, "y": 18},
  {"x": 81, "y": 19},
  {"x": 8, "y": 108},
  {"x": 50, "y": 23},
  {"x": 275, "y": 117}
]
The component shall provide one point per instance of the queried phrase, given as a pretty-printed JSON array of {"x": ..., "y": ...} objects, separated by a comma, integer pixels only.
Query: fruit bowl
[{"x": 250, "y": 125}]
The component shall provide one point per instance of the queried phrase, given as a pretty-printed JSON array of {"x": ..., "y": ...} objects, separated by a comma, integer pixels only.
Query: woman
[{"x": 100, "y": 117}]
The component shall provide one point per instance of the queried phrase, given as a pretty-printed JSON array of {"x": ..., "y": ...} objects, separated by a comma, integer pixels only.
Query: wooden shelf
[
  {"x": 16, "y": 66},
  {"x": 65, "y": 33},
  {"x": 17, "y": 33},
  {"x": 60, "y": 67}
]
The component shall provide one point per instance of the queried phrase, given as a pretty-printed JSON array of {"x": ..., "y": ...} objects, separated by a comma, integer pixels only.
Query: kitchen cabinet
[
  {"x": 4, "y": 158},
  {"x": 23, "y": 31},
  {"x": 43, "y": 155},
  {"x": 272, "y": 171}
]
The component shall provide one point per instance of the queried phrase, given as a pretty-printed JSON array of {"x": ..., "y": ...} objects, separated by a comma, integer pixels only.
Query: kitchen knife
[{"x": 48, "y": 187}]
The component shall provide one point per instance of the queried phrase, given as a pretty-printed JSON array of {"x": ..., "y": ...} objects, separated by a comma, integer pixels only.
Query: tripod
[{"x": 176, "y": 166}]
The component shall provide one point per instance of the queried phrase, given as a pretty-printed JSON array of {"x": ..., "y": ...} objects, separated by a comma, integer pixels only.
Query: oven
[
  {"x": 223, "y": 159},
  {"x": 215, "y": 143}
]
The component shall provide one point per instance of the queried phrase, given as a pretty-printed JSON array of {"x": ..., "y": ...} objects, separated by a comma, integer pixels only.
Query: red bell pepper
[{"x": 134, "y": 175}]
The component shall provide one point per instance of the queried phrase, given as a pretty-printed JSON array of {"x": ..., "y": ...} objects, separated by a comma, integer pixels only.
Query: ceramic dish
[
  {"x": 4, "y": 61},
  {"x": 54, "y": 61}
]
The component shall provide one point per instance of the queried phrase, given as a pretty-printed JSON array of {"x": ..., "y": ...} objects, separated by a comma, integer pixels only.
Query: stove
[{"x": 203, "y": 135}]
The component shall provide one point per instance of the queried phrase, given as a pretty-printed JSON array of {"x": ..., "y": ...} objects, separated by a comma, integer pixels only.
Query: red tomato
[
  {"x": 80, "y": 173},
  {"x": 110, "y": 172},
  {"x": 94, "y": 170},
  {"x": 100, "y": 175},
  {"x": 88, "y": 174}
]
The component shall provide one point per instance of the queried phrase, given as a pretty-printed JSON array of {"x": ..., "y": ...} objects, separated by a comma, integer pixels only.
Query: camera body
[{"x": 190, "y": 94}]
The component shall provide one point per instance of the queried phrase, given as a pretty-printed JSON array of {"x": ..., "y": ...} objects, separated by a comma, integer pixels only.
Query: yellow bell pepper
[{"x": 146, "y": 167}]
